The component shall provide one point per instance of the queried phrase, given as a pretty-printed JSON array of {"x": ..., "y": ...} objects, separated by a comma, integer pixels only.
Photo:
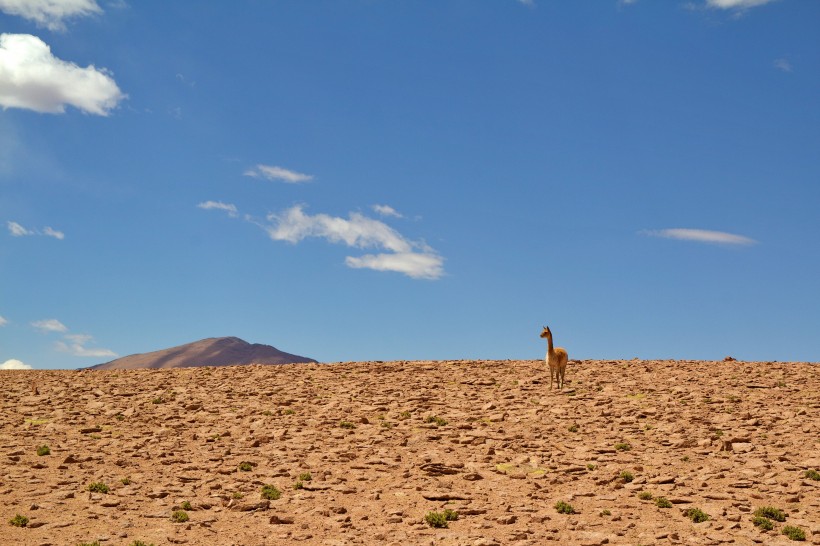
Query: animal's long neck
[{"x": 550, "y": 348}]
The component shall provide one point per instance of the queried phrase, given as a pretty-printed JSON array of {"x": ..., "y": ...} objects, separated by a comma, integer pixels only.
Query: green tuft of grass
[
  {"x": 770, "y": 512},
  {"x": 645, "y": 495},
  {"x": 438, "y": 421},
  {"x": 270, "y": 492},
  {"x": 289, "y": 412},
  {"x": 347, "y": 424},
  {"x": 564, "y": 508},
  {"x": 140, "y": 543},
  {"x": 812, "y": 475},
  {"x": 179, "y": 516},
  {"x": 591, "y": 467},
  {"x": 573, "y": 427},
  {"x": 605, "y": 513},
  {"x": 95, "y": 543},
  {"x": 626, "y": 476},
  {"x": 186, "y": 505},
  {"x": 440, "y": 519},
  {"x": 305, "y": 477},
  {"x": 43, "y": 450},
  {"x": 18, "y": 521},
  {"x": 299, "y": 485},
  {"x": 404, "y": 415},
  {"x": 663, "y": 502},
  {"x": 696, "y": 515},
  {"x": 98, "y": 487},
  {"x": 622, "y": 446},
  {"x": 794, "y": 533},
  {"x": 764, "y": 523},
  {"x": 126, "y": 480},
  {"x": 245, "y": 466}
]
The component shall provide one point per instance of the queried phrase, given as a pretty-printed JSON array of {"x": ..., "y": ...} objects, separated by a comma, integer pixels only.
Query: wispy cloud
[
  {"x": 528, "y": 3},
  {"x": 387, "y": 211},
  {"x": 783, "y": 65},
  {"x": 50, "y": 325},
  {"x": 218, "y": 205},
  {"x": 32, "y": 78},
  {"x": 736, "y": 4},
  {"x": 50, "y": 13},
  {"x": 701, "y": 236},
  {"x": 14, "y": 364},
  {"x": 19, "y": 231},
  {"x": 412, "y": 258},
  {"x": 272, "y": 172},
  {"x": 3, "y": 321},
  {"x": 76, "y": 346}
]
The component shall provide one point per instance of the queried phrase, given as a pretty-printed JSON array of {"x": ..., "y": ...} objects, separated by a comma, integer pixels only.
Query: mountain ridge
[{"x": 212, "y": 351}]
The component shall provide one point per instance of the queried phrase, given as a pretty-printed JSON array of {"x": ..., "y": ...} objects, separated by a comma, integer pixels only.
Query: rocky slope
[
  {"x": 361, "y": 452},
  {"x": 215, "y": 351}
]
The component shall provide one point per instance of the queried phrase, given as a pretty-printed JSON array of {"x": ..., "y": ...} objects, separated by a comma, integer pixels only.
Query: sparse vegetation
[
  {"x": 663, "y": 502},
  {"x": 794, "y": 533},
  {"x": 347, "y": 424},
  {"x": 270, "y": 492},
  {"x": 591, "y": 467},
  {"x": 812, "y": 475},
  {"x": 605, "y": 513},
  {"x": 98, "y": 487},
  {"x": 626, "y": 476},
  {"x": 95, "y": 543},
  {"x": 18, "y": 521},
  {"x": 140, "y": 543},
  {"x": 237, "y": 495},
  {"x": 299, "y": 485},
  {"x": 404, "y": 415},
  {"x": 305, "y": 476},
  {"x": 43, "y": 450},
  {"x": 245, "y": 466},
  {"x": 157, "y": 400},
  {"x": 179, "y": 516},
  {"x": 770, "y": 512},
  {"x": 289, "y": 412},
  {"x": 764, "y": 523},
  {"x": 645, "y": 495},
  {"x": 696, "y": 515},
  {"x": 564, "y": 508},
  {"x": 440, "y": 519},
  {"x": 438, "y": 421},
  {"x": 623, "y": 446},
  {"x": 573, "y": 427},
  {"x": 126, "y": 480},
  {"x": 186, "y": 505}
]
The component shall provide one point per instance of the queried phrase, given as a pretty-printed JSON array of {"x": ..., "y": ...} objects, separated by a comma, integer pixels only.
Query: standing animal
[{"x": 556, "y": 359}]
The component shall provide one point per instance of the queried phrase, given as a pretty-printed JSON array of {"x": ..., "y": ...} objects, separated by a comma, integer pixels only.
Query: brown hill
[{"x": 214, "y": 351}]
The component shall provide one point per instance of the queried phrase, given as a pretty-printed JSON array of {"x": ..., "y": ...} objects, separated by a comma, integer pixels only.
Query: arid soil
[{"x": 723, "y": 437}]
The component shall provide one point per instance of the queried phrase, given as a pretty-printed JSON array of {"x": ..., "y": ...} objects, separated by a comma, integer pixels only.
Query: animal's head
[{"x": 546, "y": 332}]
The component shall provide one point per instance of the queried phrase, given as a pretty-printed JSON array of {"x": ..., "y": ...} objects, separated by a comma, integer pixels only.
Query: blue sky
[{"x": 394, "y": 179}]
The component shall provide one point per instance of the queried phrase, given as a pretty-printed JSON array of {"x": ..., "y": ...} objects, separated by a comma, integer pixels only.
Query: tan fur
[{"x": 556, "y": 359}]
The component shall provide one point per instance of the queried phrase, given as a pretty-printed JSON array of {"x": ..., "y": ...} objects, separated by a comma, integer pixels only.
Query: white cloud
[
  {"x": 411, "y": 258},
  {"x": 76, "y": 347},
  {"x": 272, "y": 172},
  {"x": 19, "y": 231},
  {"x": 528, "y": 3},
  {"x": 736, "y": 4},
  {"x": 386, "y": 210},
  {"x": 218, "y": 205},
  {"x": 14, "y": 364},
  {"x": 53, "y": 233},
  {"x": 50, "y": 13},
  {"x": 413, "y": 264},
  {"x": 50, "y": 325},
  {"x": 34, "y": 79},
  {"x": 3, "y": 322},
  {"x": 701, "y": 236},
  {"x": 783, "y": 65}
]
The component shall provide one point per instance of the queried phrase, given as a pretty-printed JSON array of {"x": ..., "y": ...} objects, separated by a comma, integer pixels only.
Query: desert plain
[{"x": 362, "y": 452}]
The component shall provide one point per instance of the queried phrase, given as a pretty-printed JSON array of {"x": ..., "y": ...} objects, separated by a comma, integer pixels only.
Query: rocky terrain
[
  {"x": 214, "y": 351},
  {"x": 362, "y": 452}
]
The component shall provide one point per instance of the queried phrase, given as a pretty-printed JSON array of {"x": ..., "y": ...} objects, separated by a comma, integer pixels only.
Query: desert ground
[{"x": 363, "y": 452}]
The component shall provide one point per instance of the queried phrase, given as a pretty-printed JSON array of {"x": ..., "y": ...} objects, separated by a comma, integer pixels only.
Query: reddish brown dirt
[{"x": 724, "y": 437}]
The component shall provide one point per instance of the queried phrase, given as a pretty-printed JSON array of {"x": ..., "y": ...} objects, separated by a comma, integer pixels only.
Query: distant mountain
[{"x": 214, "y": 351}]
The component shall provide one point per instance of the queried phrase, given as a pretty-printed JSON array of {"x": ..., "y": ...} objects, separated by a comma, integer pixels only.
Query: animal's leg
[{"x": 551, "y": 372}]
